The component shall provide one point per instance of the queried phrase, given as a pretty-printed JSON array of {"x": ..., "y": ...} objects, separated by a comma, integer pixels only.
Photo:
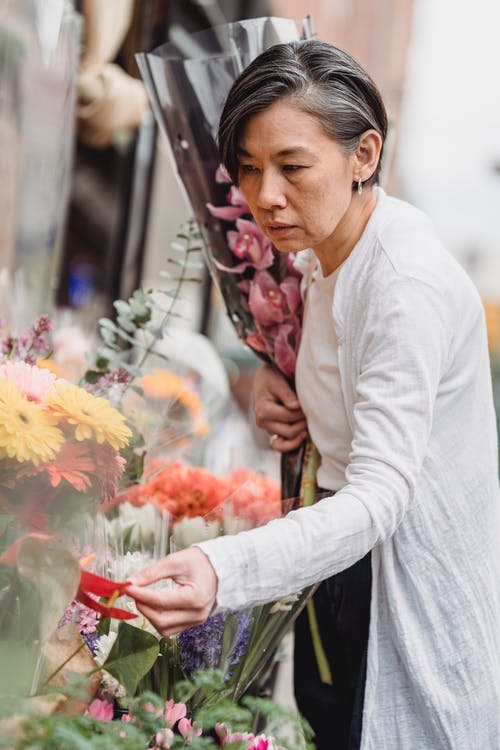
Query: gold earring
[{"x": 360, "y": 187}]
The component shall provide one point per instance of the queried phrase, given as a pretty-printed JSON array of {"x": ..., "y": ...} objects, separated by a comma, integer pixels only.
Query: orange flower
[
  {"x": 188, "y": 492},
  {"x": 162, "y": 385},
  {"x": 72, "y": 464}
]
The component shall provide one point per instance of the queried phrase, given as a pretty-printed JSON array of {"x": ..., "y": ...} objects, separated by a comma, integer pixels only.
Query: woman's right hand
[{"x": 277, "y": 410}]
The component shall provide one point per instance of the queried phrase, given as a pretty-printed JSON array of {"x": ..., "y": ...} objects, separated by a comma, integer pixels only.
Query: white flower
[
  {"x": 111, "y": 686},
  {"x": 285, "y": 604},
  {"x": 192, "y": 530},
  {"x": 142, "y": 527},
  {"x": 233, "y": 524},
  {"x": 104, "y": 646}
]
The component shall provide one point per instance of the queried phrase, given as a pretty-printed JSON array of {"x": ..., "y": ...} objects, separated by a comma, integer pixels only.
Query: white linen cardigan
[{"x": 422, "y": 493}]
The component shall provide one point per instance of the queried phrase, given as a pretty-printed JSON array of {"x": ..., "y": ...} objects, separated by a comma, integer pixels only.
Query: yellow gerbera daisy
[
  {"x": 93, "y": 417},
  {"x": 27, "y": 432}
]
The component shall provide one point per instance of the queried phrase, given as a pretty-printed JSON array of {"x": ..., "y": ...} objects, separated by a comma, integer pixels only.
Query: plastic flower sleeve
[
  {"x": 39, "y": 45},
  {"x": 187, "y": 87}
]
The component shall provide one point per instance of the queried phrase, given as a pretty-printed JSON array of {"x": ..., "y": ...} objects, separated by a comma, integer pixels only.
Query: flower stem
[{"x": 308, "y": 495}]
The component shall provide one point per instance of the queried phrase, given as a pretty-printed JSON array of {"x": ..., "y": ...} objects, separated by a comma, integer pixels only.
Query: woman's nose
[{"x": 271, "y": 193}]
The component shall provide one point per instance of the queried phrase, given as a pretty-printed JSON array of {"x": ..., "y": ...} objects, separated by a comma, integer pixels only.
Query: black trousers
[{"x": 342, "y": 605}]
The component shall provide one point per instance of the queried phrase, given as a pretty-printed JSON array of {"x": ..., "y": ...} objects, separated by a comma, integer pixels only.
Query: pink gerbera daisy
[{"x": 33, "y": 382}]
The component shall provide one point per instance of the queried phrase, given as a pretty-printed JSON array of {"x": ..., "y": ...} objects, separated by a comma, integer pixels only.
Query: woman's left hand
[{"x": 173, "y": 610}]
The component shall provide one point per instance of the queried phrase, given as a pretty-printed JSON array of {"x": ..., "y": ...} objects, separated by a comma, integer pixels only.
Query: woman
[{"x": 393, "y": 377}]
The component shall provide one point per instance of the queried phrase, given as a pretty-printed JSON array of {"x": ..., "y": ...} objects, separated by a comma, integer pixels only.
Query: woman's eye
[{"x": 247, "y": 169}]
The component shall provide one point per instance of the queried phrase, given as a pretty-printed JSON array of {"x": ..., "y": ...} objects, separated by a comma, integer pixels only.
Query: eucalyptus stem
[{"x": 181, "y": 279}]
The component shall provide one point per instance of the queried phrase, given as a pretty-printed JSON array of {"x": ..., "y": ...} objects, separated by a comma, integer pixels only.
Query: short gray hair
[{"x": 319, "y": 79}]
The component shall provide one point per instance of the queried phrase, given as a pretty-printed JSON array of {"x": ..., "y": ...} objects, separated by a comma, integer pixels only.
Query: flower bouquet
[
  {"x": 59, "y": 455},
  {"x": 197, "y": 505},
  {"x": 187, "y": 88}
]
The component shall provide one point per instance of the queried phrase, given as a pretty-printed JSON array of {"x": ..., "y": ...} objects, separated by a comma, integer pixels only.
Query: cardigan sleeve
[{"x": 399, "y": 360}]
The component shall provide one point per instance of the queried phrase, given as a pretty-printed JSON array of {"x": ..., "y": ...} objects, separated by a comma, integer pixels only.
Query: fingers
[
  {"x": 169, "y": 622},
  {"x": 272, "y": 386},
  {"x": 284, "y": 445},
  {"x": 155, "y": 572},
  {"x": 287, "y": 431},
  {"x": 267, "y": 411},
  {"x": 277, "y": 409},
  {"x": 172, "y": 610}
]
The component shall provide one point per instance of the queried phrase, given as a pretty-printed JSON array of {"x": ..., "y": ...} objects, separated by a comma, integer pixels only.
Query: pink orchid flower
[
  {"x": 188, "y": 730},
  {"x": 271, "y": 303},
  {"x": 174, "y": 712},
  {"x": 258, "y": 343},
  {"x": 102, "y": 710},
  {"x": 291, "y": 267},
  {"x": 222, "y": 175},
  {"x": 249, "y": 244},
  {"x": 286, "y": 346},
  {"x": 237, "y": 206}
]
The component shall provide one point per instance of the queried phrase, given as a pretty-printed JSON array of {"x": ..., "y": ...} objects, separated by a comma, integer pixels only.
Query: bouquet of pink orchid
[
  {"x": 261, "y": 289},
  {"x": 266, "y": 283}
]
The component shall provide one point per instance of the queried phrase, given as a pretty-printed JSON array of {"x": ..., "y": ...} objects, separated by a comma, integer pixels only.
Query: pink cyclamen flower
[
  {"x": 225, "y": 736},
  {"x": 270, "y": 302},
  {"x": 152, "y": 709},
  {"x": 174, "y": 712},
  {"x": 188, "y": 730},
  {"x": 163, "y": 739},
  {"x": 262, "y": 743},
  {"x": 33, "y": 382},
  {"x": 102, "y": 710}
]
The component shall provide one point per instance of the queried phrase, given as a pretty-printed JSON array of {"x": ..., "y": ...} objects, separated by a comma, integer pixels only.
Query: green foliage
[
  {"x": 77, "y": 733},
  {"x": 86, "y": 733},
  {"x": 133, "y": 654},
  {"x": 288, "y": 727},
  {"x": 140, "y": 321}
]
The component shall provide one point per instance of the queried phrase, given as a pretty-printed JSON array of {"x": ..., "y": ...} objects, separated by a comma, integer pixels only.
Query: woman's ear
[{"x": 367, "y": 155}]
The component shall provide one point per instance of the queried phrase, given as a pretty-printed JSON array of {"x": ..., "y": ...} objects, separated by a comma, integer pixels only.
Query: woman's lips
[{"x": 279, "y": 230}]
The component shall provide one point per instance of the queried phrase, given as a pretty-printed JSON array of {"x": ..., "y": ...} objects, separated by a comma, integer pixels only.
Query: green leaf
[
  {"x": 121, "y": 307},
  {"x": 55, "y": 573},
  {"x": 4, "y": 522},
  {"x": 126, "y": 323},
  {"x": 107, "y": 324},
  {"x": 133, "y": 654}
]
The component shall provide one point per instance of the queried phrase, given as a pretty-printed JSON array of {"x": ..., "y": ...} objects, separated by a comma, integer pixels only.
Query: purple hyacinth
[{"x": 201, "y": 646}]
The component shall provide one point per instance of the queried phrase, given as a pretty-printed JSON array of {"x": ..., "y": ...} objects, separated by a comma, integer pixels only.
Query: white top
[
  {"x": 317, "y": 379},
  {"x": 422, "y": 493}
]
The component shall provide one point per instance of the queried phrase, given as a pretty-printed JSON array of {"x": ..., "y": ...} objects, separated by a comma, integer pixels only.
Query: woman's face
[{"x": 296, "y": 179}]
